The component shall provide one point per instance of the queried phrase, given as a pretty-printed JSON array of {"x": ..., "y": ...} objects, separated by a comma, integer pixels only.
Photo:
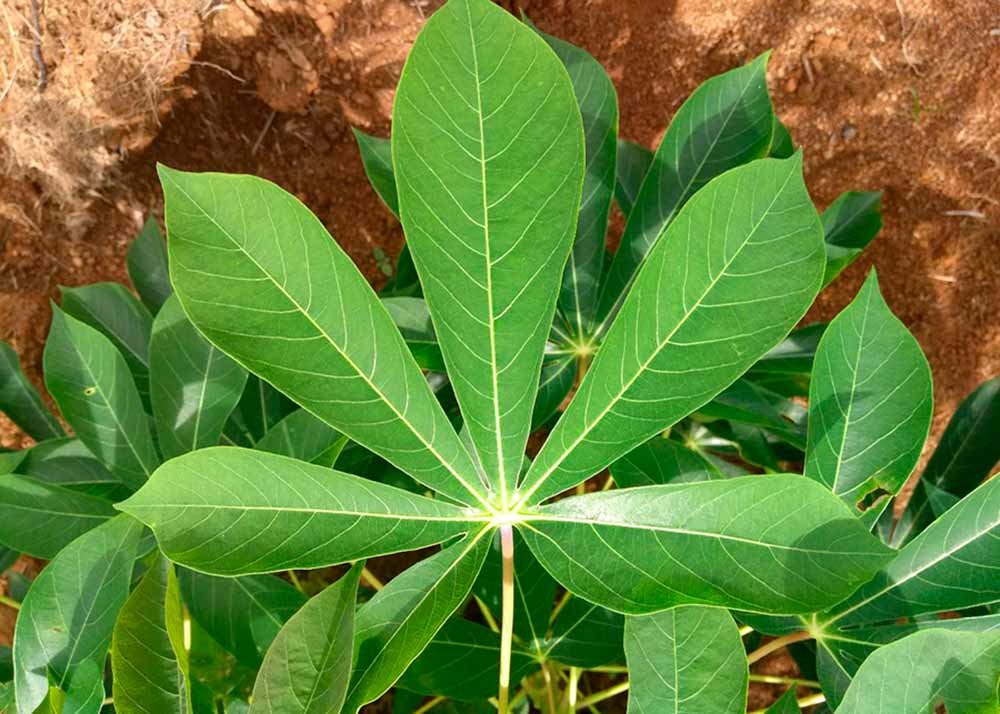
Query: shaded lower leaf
[
  {"x": 633, "y": 161},
  {"x": 787, "y": 704},
  {"x": 777, "y": 544},
  {"x": 912, "y": 675},
  {"x": 242, "y": 614},
  {"x": 308, "y": 666},
  {"x": 233, "y": 511},
  {"x": 402, "y": 618},
  {"x": 660, "y": 461},
  {"x": 850, "y": 223},
  {"x": 65, "y": 624},
  {"x": 558, "y": 375},
  {"x": 376, "y": 156},
  {"x": 586, "y": 635},
  {"x": 688, "y": 660},
  {"x": 147, "y": 266},
  {"x": 414, "y": 322},
  {"x": 70, "y": 464},
  {"x": 148, "y": 658},
  {"x": 41, "y": 519},
  {"x": 21, "y": 402},
  {"x": 305, "y": 437}
]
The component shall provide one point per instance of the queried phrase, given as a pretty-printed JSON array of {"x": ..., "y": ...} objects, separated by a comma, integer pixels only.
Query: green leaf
[
  {"x": 402, "y": 618},
  {"x": 259, "y": 410},
  {"x": 68, "y": 463},
  {"x": 194, "y": 386},
  {"x": 911, "y": 676},
  {"x": 633, "y": 162},
  {"x": 558, "y": 376},
  {"x": 967, "y": 451},
  {"x": 870, "y": 402},
  {"x": 787, "y": 704},
  {"x": 787, "y": 368},
  {"x": 534, "y": 591},
  {"x": 586, "y": 635},
  {"x": 41, "y": 519},
  {"x": 305, "y": 437},
  {"x": 488, "y": 150},
  {"x": 462, "y": 662},
  {"x": 414, "y": 322},
  {"x": 309, "y": 322},
  {"x": 746, "y": 402},
  {"x": 114, "y": 312},
  {"x": 376, "y": 155},
  {"x": 243, "y": 614},
  {"x": 598, "y": 102},
  {"x": 688, "y": 660},
  {"x": 232, "y": 511},
  {"x": 949, "y": 566},
  {"x": 725, "y": 123},
  {"x": 775, "y": 544},
  {"x": 661, "y": 461},
  {"x": 709, "y": 302},
  {"x": 849, "y": 225},
  {"x": 308, "y": 666},
  {"x": 90, "y": 382},
  {"x": 148, "y": 658},
  {"x": 782, "y": 145},
  {"x": 147, "y": 266},
  {"x": 65, "y": 624},
  {"x": 21, "y": 402}
]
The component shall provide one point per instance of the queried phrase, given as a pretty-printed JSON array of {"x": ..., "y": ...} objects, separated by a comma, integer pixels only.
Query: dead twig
[
  {"x": 36, "y": 48},
  {"x": 260, "y": 137}
]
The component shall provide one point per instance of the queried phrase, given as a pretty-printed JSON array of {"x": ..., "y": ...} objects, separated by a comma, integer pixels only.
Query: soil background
[{"x": 892, "y": 95}]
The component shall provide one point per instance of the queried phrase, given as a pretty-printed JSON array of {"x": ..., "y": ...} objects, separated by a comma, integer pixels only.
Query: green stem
[
  {"x": 10, "y": 602},
  {"x": 371, "y": 579},
  {"x": 791, "y": 681},
  {"x": 428, "y": 706},
  {"x": 507, "y": 619},
  {"x": 574, "y": 686},
  {"x": 295, "y": 581},
  {"x": 775, "y": 645},
  {"x": 614, "y": 691}
]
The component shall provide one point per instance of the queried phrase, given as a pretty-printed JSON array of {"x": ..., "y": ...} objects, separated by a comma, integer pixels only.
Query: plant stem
[
  {"x": 371, "y": 579},
  {"x": 559, "y": 606},
  {"x": 791, "y": 681},
  {"x": 10, "y": 602},
  {"x": 601, "y": 696},
  {"x": 574, "y": 686},
  {"x": 507, "y": 619},
  {"x": 745, "y": 630},
  {"x": 422, "y": 709},
  {"x": 550, "y": 693},
  {"x": 295, "y": 581},
  {"x": 775, "y": 645},
  {"x": 487, "y": 615}
]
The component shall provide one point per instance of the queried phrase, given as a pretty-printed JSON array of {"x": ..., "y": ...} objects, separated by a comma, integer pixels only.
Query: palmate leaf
[
  {"x": 967, "y": 451},
  {"x": 91, "y": 383},
  {"x": 21, "y": 402},
  {"x": 912, "y": 675},
  {"x": 870, "y": 402},
  {"x": 233, "y": 511},
  {"x": 688, "y": 660},
  {"x": 633, "y": 161},
  {"x": 147, "y": 266},
  {"x": 462, "y": 662},
  {"x": 114, "y": 312},
  {"x": 148, "y": 658},
  {"x": 304, "y": 437},
  {"x": 488, "y": 149},
  {"x": 709, "y": 301},
  {"x": 726, "y": 122},
  {"x": 774, "y": 544},
  {"x": 194, "y": 386},
  {"x": 243, "y": 615},
  {"x": 595, "y": 94},
  {"x": 401, "y": 619},
  {"x": 949, "y": 566},
  {"x": 244, "y": 251},
  {"x": 41, "y": 519},
  {"x": 65, "y": 624},
  {"x": 308, "y": 666}
]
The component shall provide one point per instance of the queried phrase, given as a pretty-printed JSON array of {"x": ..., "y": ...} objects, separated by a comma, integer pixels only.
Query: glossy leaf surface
[
  {"x": 725, "y": 123},
  {"x": 376, "y": 155},
  {"x": 147, "y": 650},
  {"x": 401, "y": 619},
  {"x": 710, "y": 300},
  {"x": 64, "y": 628},
  {"x": 91, "y": 383},
  {"x": 488, "y": 150},
  {"x": 21, "y": 402},
  {"x": 147, "y": 266},
  {"x": 870, "y": 402},
  {"x": 308, "y": 321},
  {"x": 775, "y": 544},
  {"x": 849, "y": 225},
  {"x": 688, "y": 660},
  {"x": 308, "y": 666}
]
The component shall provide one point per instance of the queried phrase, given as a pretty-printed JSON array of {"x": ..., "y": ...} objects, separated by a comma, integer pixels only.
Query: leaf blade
[{"x": 21, "y": 401}]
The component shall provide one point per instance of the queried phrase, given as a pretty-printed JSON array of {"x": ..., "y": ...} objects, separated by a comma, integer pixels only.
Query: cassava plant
[{"x": 415, "y": 408}]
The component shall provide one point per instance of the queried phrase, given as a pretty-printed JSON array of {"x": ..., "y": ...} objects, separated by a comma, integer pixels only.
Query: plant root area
[{"x": 898, "y": 96}]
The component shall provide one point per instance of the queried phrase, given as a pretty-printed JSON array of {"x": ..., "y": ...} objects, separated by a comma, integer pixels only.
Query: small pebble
[{"x": 848, "y": 132}]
